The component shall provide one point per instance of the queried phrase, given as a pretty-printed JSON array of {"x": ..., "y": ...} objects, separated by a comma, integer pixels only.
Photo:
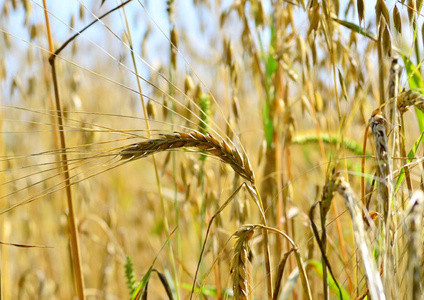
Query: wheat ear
[
  {"x": 239, "y": 263},
  {"x": 384, "y": 170},
  {"x": 204, "y": 142},
  {"x": 410, "y": 98}
]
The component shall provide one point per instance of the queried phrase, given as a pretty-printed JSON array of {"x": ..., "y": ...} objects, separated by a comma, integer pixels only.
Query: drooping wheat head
[{"x": 205, "y": 142}]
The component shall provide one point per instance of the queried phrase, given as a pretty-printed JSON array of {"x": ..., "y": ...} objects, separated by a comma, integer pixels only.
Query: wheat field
[{"x": 258, "y": 149}]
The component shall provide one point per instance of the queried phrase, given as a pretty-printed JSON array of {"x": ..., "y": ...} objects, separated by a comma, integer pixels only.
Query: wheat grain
[{"x": 204, "y": 142}]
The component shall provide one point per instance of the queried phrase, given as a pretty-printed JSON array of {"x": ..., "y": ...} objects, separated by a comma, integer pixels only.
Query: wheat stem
[{"x": 76, "y": 254}]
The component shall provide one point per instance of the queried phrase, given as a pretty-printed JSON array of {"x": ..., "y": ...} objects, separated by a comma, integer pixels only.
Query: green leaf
[
  {"x": 415, "y": 81},
  {"x": 208, "y": 290},
  {"x": 268, "y": 124},
  {"x": 316, "y": 266},
  {"x": 143, "y": 283},
  {"x": 271, "y": 65},
  {"x": 411, "y": 156},
  {"x": 357, "y": 29},
  {"x": 145, "y": 280}
]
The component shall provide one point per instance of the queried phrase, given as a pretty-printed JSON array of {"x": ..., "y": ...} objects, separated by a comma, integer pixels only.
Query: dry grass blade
[
  {"x": 239, "y": 263},
  {"x": 195, "y": 139},
  {"x": 374, "y": 281}
]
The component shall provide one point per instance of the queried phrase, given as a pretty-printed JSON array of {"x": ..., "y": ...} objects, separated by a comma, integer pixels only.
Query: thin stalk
[
  {"x": 75, "y": 249},
  {"x": 416, "y": 44},
  {"x": 364, "y": 151},
  {"x": 381, "y": 68},
  {"x": 343, "y": 247},
  {"x": 4, "y": 253},
  {"x": 174, "y": 160},
  {"x": 281, "y": 208},
  {"x": 326, "y": 287},
  {"x": 266, "y": 246},
  {"x": 405, "y": 157},
  {"x": 202, "y": 213}
]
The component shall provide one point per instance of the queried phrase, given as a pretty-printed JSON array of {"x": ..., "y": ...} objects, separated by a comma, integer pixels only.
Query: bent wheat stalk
[{"x": 195, "y": 139}]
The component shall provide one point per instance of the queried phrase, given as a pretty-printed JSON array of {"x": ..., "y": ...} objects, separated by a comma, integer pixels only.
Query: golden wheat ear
[
  {"x": 203, "y": 142},
  {"x": 239, "y": 272}
]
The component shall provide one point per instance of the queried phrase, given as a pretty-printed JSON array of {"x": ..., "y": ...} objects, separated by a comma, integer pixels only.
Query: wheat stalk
[{"x": 204, "y": 142}]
